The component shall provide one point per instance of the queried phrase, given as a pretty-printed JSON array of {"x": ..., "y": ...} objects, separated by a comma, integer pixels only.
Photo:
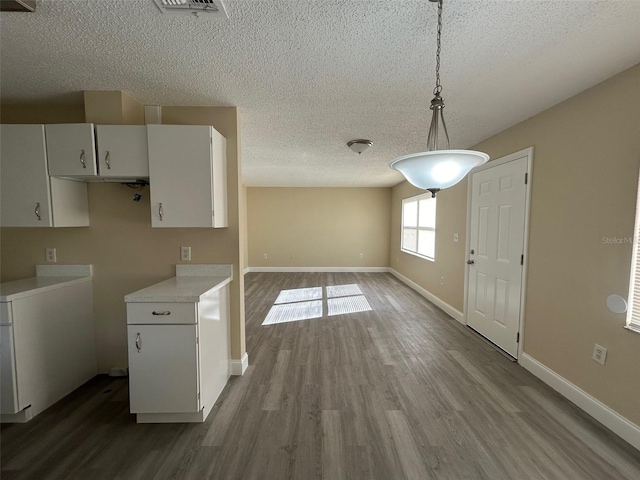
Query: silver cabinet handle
[
  {"x": 161, "y": 313},
  {"x": 138, "y": 342},
  {"x": 37, "y": 211},
  {"x": 84, "y": 165},
  {"x": 107, "y": 160},
  {"x": 161, "y": 213}
]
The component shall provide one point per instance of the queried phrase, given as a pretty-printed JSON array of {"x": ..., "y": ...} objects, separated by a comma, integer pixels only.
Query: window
[
  {"x": 419, "y": 226},
  {"x": 633, "y": 313}
]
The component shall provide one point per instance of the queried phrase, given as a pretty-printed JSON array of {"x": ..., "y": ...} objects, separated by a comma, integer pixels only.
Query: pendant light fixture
[{"x": 436, "y": 169}]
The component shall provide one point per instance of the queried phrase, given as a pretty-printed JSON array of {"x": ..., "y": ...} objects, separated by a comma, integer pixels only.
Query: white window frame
[
  {"x": 418, "y": 228},
  {"x": 633, "y": 310}
]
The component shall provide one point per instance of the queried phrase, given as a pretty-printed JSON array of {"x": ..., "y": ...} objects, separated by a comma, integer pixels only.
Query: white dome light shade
[{"x": 438, "y": 169}]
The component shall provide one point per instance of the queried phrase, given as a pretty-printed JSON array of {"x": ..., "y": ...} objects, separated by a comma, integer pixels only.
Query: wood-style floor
[{"x": 402, "y": 391}]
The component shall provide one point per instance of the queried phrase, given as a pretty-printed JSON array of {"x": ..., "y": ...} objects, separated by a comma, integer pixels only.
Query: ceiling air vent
[{"x": 197, "y": 8}]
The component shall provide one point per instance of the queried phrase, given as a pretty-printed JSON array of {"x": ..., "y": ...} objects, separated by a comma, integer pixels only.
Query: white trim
[
  {"x": 23, "y": 416},
  {"x": 246, "y": 270},
  {"x": 598, "y": 410},
  {"x": 238, "y": 367},
  {"x": 319, "y": 269},
  {"x": 527, "y": 152},
  {"x": 444, "y": 306}
]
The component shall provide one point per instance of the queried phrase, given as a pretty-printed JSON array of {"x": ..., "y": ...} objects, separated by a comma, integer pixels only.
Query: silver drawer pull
[
  {"x": 161, "y": 213},
  {"x": 138, "y": 343},
  {"x": 84, "y": 165},
  {"x": 37, "y": 211},
  {"x": 161, "y": 313},
  {"x": 107, "y": 160}
]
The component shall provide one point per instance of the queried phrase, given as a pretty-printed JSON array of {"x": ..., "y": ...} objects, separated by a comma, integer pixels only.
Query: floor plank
[{"x": 399, "y": 392}]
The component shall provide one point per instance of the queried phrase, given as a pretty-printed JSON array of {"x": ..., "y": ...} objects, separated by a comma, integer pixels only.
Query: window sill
[
  {"x": 418, "y": 255},
  {"x": 632, "y": 329}
]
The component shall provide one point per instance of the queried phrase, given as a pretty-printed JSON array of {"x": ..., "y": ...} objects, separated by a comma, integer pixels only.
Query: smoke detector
[{"x": 196, "y": 8}]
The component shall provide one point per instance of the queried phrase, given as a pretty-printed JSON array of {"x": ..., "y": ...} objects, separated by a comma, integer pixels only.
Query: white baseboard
[
  {"x": 444, "y": 306},
  {"x": 238, "y": 367},
  {"x": 318, "y": 269},
  {"x": 598, "y": 410},
  {"x": 246, "y": 270}
]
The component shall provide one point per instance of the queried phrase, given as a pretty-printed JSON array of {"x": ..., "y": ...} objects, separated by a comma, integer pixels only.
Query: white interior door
[{"x": 496, "y": 252}]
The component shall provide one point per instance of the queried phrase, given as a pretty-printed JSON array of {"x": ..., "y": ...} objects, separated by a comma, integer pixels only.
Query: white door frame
[{"x": 528, "y": 153}]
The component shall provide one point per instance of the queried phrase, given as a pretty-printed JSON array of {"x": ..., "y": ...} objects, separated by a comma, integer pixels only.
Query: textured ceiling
[{"x": 309, "y": 75}]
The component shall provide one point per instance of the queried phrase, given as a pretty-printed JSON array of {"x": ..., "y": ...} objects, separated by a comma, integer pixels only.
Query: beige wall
[
  {"x": 585, "y": 174},
  {"x": 42, "y": 113},
  {"x": 126, "y": 252},
  {"x": 450, "y": 219},
  {"x": 319, "y": 227}
]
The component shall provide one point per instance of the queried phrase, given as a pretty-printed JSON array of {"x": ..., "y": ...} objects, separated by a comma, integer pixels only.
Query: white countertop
[
  {"x": 27, "y": 287},
  {"x": 185, "y": 288}
]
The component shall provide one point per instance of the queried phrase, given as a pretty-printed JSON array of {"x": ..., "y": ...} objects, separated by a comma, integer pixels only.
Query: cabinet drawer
[{"x": 161, "y": 313}]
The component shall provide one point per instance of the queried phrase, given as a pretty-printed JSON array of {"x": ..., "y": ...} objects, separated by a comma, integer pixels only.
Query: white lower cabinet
[
  {"x": 179, "y": 358},
  {"x": 163, "y": 368},
  {"x": 47, "y": 344}
]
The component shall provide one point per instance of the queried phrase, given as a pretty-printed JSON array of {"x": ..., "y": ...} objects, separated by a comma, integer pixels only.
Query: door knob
[{"x": 470, "y": 262}]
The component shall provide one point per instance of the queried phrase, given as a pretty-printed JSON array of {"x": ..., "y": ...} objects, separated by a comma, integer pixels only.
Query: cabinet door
[
  {"x": 163, "y": 369},
  {"x": 122, "y": 151},
  {"x": 24, "y": 182},
  {"x": 180, "y": 174},
  {"x": 71, "y": 150}
]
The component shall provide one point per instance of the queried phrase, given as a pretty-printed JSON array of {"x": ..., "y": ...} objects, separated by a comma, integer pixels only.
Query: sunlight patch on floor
[
  {"x": 344, "y": 305},
  {"x": 293, "y": 312},
  {"x": 307, "y": 303},
  {"x": 343, "y": 290},
  {"x": 299, "y": 295}
]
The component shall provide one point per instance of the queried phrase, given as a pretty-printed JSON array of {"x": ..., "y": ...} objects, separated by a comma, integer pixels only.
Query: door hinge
[
  {"x": 526, "y": 178},
  {"x": 197, "y": 340},
  {"x": 518, "y": 337},
  {"x": 213, "y": 213},
  {"x": 522, "y": 259}
]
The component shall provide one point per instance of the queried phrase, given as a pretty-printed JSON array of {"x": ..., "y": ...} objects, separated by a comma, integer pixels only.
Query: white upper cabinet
[
  {"x": 122, "y": 151},
  {"x": 188, "y": 176},
  {"x": 29, "y": 197},
  {"x": 71, "y": 150}
]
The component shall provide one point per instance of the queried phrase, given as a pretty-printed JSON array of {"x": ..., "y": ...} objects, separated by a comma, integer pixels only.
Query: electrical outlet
[
  {"x": 50, "y": 255},
  {"x": 441, "y": 280},
  {"x": 361, "y": 256},
  {"x": 185, "y": 254},
  {"x": 264, "y": 255},
  {"x": 599, "y": 354},
  {"x": 455, "y": 238}
]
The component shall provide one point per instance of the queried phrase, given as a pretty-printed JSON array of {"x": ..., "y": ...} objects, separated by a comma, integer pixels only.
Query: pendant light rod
[
  {"x": 438, "y": 168},
  {"x": 437, "y": 104}
]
